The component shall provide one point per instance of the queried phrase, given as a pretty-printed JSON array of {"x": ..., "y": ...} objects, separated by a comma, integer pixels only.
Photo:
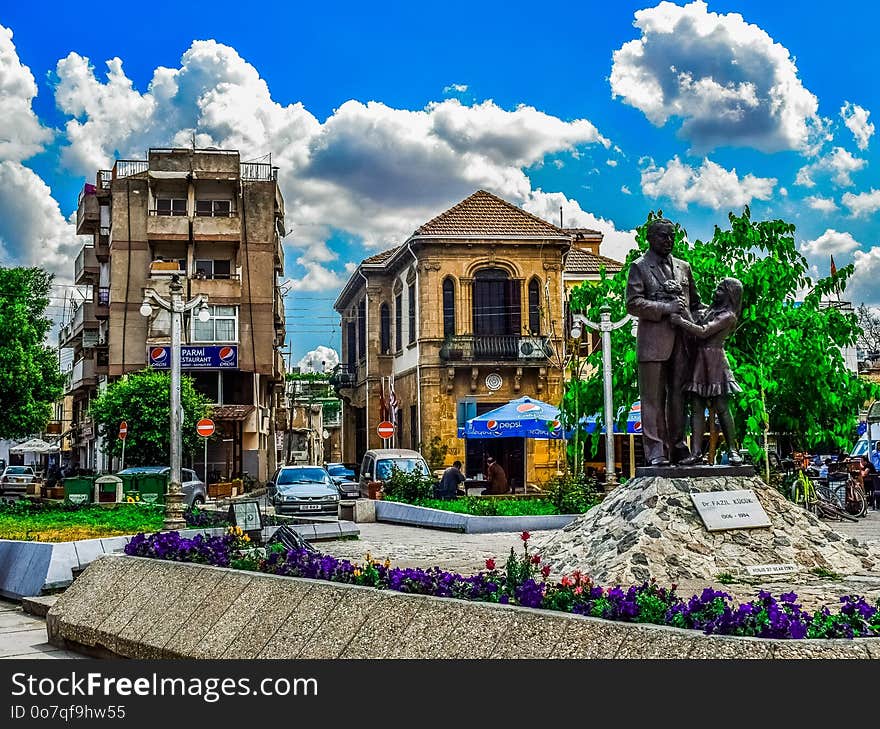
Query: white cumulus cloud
[
  {"x": 862, "y": 285},
  {"x": 856, "y": 119},
  {"x": 710, "y": 185},
  {"x": 863, "y": 203},
  {"x": 320, "y": 359},
  {"x": 838, "y": 164},
  {"x": 822, "y": 204},
  {"x": 727, "y": 80},
  {"x": 829, "y": 243}
]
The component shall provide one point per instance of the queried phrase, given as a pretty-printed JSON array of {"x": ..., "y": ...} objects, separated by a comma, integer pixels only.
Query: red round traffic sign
[
  {"x": 385, "y": 429},
  {"x": 123, "y": 430},
  {"x": 205, "y": 427}
]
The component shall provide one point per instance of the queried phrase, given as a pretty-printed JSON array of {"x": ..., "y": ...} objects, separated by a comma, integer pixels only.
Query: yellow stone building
[{"x": 467, "y": 314}]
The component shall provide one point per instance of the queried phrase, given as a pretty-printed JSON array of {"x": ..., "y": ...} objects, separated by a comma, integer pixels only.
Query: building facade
[
  {"x": 214, "y": 224},
  {"x": 467, "y": 314}
]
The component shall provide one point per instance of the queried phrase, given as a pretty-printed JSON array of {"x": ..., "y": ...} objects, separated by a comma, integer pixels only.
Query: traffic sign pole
[
  {"x": 205, "y": 428},
  {"x": 123, "y": 431},
  {"x": 123, "y": 455}
]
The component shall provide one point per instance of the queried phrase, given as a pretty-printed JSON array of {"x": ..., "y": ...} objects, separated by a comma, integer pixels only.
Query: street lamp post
[
  {"x": 605, "y": 326},
  {"x": 174, "y": 498}
]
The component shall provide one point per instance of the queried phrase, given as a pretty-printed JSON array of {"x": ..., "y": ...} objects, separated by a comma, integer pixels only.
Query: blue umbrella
[
  {"x": 633, "y": 421},
  {"x": 521, "y": 418}
]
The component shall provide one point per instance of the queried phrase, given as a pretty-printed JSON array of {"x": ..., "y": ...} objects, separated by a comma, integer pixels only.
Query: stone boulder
[{"x": 649, "y": 527}]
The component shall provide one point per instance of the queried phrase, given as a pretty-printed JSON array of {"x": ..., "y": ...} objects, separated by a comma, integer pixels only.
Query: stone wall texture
[{"x": 151, "y": 609}]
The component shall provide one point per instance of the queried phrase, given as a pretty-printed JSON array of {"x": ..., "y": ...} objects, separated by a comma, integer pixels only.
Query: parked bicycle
[{"x": 815, "y": 497}]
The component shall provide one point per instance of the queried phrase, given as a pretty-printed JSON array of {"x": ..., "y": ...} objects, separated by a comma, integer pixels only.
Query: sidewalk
[{"x": 24, "y": 636}]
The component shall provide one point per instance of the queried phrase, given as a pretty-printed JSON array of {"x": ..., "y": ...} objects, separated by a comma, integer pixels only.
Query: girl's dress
[{"x": 711, "y": 375}]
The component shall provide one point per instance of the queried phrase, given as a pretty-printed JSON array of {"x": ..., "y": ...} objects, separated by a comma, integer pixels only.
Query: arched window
[
  {"x": 448, "y": 308},
  {"x": 385, "y": 329},
  {"x": 534, "y": 306},
  {"x": 362, "y": 328},
  {"x": 496, "y": 304}
]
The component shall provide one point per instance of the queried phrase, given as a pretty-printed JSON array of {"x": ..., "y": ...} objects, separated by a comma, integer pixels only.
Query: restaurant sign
[{"x": 196, "y": 357}]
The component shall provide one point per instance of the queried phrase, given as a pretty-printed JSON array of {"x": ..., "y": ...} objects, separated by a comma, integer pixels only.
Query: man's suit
[{"x": 662, "y": 351}]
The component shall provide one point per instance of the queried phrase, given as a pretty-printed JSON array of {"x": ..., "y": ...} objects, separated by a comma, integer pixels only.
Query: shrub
[
  {"x": 571, "y": 494},
  {"x": 408, "y": 485}
]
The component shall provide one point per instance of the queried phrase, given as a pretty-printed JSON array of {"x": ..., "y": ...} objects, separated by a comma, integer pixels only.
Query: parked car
[
  {"x": 377, "y": 464},
  {"x": 195, "y": 493},
  {"x": 16, "y": 478},
  {"x": 303, "y": 490},
  {"x": 344, "y": 478}
]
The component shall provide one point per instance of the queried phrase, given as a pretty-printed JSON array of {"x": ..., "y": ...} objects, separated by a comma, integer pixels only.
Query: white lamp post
[
  {"x": 605, "y": 326},
  {"x": 174, "y": 498}
]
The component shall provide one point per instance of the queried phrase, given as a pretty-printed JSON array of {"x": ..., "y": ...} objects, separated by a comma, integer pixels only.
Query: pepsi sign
[{"x": 224, "y": 356}]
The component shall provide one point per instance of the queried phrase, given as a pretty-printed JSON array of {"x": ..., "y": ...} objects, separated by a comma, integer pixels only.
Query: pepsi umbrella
[
  {"x": 633, "y": 421},
  {"x": 521, "y": 418}
]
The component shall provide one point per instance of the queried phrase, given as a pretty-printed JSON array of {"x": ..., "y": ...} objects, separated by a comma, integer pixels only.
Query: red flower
[
  {"x": 490, "y": 564},
  {"x": 536, "y": 559},
  {"x": 566, "y": 581},
  {"x": 545, "y": 570},
  {"x": 525, "y": 536}
]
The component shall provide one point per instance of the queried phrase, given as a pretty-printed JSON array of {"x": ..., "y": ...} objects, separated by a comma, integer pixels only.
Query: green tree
[
  {"x": 30, "y": 379},
  {"x": 143, "y": 400},
  {"x": 785, "y": 351}
]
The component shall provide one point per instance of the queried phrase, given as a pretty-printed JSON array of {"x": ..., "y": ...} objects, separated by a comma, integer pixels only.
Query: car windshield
[
  {"x": 339, "y": 471},
  {"x": 20, "y": 470},
  {"x": 861, "y": 449},
  {"x": 302, "y": 475},
  {"x": 408, "y": 465}
]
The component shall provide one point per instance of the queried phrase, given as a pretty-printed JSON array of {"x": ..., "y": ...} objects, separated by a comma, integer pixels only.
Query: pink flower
[
  {"x": 545, "y": 570},
  {"x": 525, "y": 536},
  {"x": 578, "y": 590},
  {"x": 566, "y": 581},
  {"x": 490, "y": 564}
]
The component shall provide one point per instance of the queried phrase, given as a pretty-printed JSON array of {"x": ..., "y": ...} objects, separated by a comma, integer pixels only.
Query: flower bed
[
  {"x": 479, "y": 506},
  {"x": 524, "y": 581}
]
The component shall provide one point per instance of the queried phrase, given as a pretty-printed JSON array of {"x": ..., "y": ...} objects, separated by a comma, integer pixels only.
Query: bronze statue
[
  {"x": 660, "y": 286},
  {"x": 710, "y": 376}
]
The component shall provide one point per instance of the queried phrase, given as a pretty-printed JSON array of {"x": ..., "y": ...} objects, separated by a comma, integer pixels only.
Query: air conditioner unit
[{"x": 532, "y": 348}]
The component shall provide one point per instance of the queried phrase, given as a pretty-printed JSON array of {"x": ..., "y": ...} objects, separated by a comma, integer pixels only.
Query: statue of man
[{"x": 660, "y": 286}]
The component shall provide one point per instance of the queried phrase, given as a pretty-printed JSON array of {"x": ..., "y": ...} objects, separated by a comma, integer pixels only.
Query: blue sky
[{"x": 381, "y": 116}]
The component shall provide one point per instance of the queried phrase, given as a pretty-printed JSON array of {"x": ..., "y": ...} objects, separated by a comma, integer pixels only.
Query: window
[
  {"x": 411, "y": 300},
  {"x": 448, "y": 308},
  {"x": 362, "y": 328},
  {"x": 398, "y": 322},
  {"x": 351, "y": 337},
  {"x": 221, "y": 327},
  {"x": 534, "y": 306},
  {"x": 385, "y": 329},
  {"x": 171, "y": 206},
  {"x": 213, "y": 208},
  {"x": 210, "y": 268},
  {"x": 496, "y": 306}
]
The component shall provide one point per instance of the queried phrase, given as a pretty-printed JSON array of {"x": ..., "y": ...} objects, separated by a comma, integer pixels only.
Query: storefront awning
[{"x": 520, "y": 418}]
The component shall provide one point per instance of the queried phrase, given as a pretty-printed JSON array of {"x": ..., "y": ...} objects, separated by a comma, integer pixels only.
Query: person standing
[
  {"x": 452, "y": 477},
  {"x": 658, "y": 286},
  {"x": 496, "y": 477}
]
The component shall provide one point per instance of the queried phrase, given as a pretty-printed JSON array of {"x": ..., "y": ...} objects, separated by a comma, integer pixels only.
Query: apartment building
[
  {"x": 467, "y": 314},
  {"x": 215, "y": 224}
]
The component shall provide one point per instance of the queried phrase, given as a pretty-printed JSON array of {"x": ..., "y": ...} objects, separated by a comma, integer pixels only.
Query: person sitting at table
[
  {"x": 496, "y": 477},
  {"x": 452, "y": 477}
]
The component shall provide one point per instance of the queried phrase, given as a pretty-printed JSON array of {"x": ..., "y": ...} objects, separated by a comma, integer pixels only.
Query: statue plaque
[{"x": 721, "y": 510}]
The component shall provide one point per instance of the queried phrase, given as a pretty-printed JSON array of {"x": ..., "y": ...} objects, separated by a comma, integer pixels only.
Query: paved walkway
[{"x": 24, "y": 636}]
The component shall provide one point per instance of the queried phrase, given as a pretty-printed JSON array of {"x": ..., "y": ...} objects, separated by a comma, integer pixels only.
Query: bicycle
[{"x": 817, "y": 500}]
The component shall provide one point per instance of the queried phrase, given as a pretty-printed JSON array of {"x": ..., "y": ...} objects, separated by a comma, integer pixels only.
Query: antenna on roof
[
  {"x": 560, "y": 216},
  {"x": 193, "y": 140}
]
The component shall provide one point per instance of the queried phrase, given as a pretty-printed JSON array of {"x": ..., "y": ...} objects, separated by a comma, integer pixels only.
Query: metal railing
[
  {"x": 105, "y": 177},
  {"x": 258, "y": 171},
  {"x": 490, "y": 347},
  {"x": 129, "y": 167},
  {"x": 344, "y": 375}
]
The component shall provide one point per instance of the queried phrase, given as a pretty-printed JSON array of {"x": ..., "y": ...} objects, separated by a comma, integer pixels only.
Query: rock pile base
[{"x": 649, "y": 527}]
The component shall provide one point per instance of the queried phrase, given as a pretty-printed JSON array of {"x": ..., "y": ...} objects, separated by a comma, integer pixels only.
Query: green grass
[
  {"x": 725, "y": 578},
  {"x": 477, "y": 506},
  {"x": 36, "y": 522},
  {"x": 825, "y": 573}
]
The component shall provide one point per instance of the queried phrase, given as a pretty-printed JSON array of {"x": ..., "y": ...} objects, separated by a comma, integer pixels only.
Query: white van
[{"x": 376, "y": 465}]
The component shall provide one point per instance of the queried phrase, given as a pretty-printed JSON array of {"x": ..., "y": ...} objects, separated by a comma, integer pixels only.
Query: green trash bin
[
  {"x": 152, "y": 487},
  {"x": 79, "y": 489},
  {"x": 129, "y": 484}
]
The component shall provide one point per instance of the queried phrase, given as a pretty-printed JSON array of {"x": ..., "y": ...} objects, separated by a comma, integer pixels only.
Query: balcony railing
[
  {"x": 129, "y": 167},
  {"x": 86, "y": 268},
  {"x": 104, "y": 296},
  {"x": 258, "y": 171},
  {"x": 344, "y": 376},
  {"x": 494, "y": 347}
]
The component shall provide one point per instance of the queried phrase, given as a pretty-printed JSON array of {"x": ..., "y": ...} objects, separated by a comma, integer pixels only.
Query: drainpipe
[
  {"x": 366, "y": 356},
  {"x": 418, "y": 351}
]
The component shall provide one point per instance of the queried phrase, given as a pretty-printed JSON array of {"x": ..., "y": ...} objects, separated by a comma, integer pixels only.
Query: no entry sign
[
  {"x": 123, "y": 430},
  {"x": 385, "y": 429},
  {"x": 205, "y": 427}
]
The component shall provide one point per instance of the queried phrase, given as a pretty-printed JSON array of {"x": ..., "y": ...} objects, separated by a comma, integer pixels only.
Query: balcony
[
  {"x": 217, "y": 289},
  {"x": 167, "y": 227},
  {"x": 86, "y": 268},
  {"x": 88, "y": 213},
  {"x": 258, "y": 172},
  {"x": 344, "y": 377},
  {"x": 102, "y": 247},
  {"x": 102, "y": 360},
  {"x": 279, "y": 258},
  {"x": 217, "y": 227},
  {"x": 83, "y": 375},
  {"x": 279, "y": 307},
  {"x": 496, "y": 348},
  {"x": 128, "y": 167},
  {"x": 83, "y": 318}
]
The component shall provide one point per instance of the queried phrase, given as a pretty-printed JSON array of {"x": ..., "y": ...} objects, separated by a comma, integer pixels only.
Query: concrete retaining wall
[
  {"x": 398, "y": 513},
  {"x": 32, "y": 568},
  {"x": 145, "y": 608}
]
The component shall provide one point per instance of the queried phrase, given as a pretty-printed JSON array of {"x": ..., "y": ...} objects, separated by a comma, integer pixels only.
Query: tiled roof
[
  {"x": 380, "y": 257},
  {"x": 231, "y": 412},
  {"x": 484, "y": 214},
  {"x": 580, "y": 261},
  {"x": 583, "y": 232}
]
